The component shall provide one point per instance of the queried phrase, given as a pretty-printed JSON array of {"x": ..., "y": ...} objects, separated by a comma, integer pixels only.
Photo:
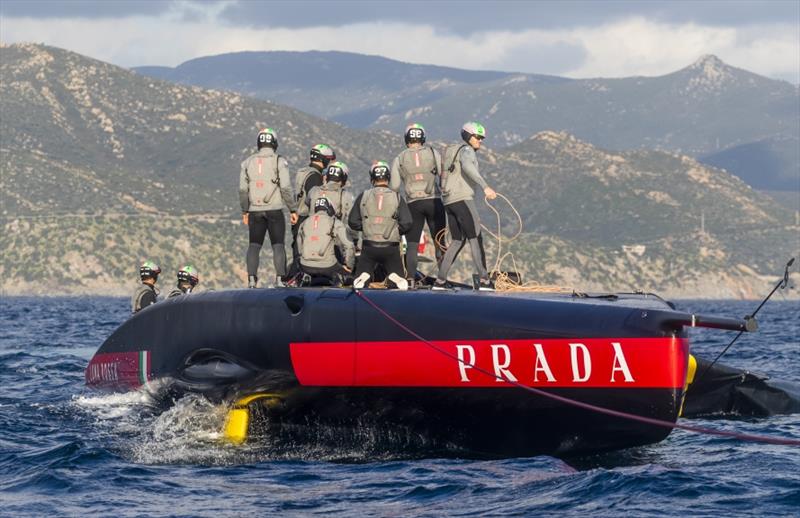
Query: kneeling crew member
[
  {"x": 381, "y": 215},
  {"x": 264, "y": 191},
  {"x": 318, "y": 236},
  {"x": 460, "y": 173},
  {"x": 306, "y": 179},
  {"x": 187, "y": 280},
  {"x": 418, "y": 167},
  {"x": 146, "y": 293},
  {"x": 334, "y": 190}
]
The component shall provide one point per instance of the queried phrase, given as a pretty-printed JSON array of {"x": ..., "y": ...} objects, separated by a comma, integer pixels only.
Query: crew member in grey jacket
[
  {"x": 265, "y": 190},
  {"x": 306, "y": 179},
  {"x": 459, "y": 176},
  {"x": 419, "y": 167},
  {"x": 317, "y": 239}
]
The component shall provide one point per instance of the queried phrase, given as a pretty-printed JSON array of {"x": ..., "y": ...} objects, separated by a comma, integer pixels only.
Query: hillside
[
  {"x": 102, "y": 167},
  {"x": 705, "y": 109},
  {"x": 79, "y": 135}
]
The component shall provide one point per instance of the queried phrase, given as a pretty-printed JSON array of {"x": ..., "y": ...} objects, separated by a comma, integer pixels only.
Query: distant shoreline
[{"x": 789, "y": 295}]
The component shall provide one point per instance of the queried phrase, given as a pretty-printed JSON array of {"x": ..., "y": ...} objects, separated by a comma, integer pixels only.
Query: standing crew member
[
  {"x": 318, "y": 236},
  {"x": 306, "y": 179},
  {"x": 459, "y": 175},
  {"x": 264, "y": 191},
  {"x": 146, "y": 293},
  {"x": 418, "y": 167},
  {"x": 381, "y": 215},
  {"x": 187, "y": 280}
]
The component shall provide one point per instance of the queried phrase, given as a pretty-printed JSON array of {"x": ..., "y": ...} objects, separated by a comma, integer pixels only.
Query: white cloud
[{"x": 633, "y": 46}]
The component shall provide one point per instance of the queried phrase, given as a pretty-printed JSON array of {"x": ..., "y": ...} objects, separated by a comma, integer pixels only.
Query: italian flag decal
[{"x": 144, "y": 367}]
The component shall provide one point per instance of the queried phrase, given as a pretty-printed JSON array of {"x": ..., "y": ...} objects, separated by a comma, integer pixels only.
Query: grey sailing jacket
[
  {"x": 419, "y": 170},
  {"x": 458, "y": 184},
  {"x": 264, "y": 183},
  {"x": 316, "y": 240}
]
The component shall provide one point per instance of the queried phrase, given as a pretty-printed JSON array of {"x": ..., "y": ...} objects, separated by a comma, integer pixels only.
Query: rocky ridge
[{"x": 102, "y": 168}]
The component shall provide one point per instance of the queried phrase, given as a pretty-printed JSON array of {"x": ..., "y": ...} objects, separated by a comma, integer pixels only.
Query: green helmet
[
  {"x": 379, "y": 171},
  {"x": 472, "y": 128},
  {"x": 323, "y": 153},
  {"x": 267, "y": 137},
  {"x": 149, "y": 269},
  {"x": 188, "y": 274}
]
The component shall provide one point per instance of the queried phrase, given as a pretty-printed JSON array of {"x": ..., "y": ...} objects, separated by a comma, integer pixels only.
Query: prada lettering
[{"x": 500, "y": 362}]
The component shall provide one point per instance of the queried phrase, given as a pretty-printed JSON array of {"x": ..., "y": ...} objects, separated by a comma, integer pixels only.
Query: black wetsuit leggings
[
  {"x": 259, "y": 224},
  {"x": 294, "y": 268},
  {"x": 422, "y": 211},
  {"x": 386, "y": 255},
  {"x": 465, "y": 227}
]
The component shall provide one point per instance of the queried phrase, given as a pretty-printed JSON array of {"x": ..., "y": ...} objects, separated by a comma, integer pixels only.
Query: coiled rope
[
  {"x": 502, "y": 280},
  {"x": 581, "y": 404}
]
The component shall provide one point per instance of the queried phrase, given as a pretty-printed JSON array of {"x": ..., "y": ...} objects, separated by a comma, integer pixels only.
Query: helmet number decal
[{"x": 415, "y": 133}]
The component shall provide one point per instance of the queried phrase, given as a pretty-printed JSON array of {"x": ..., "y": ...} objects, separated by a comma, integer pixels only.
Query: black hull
[
  {"x": 336, "y": 362},
  {"x": 490, "y": 424}
]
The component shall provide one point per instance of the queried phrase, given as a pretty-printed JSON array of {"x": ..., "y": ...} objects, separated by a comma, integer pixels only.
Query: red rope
[{"x": 587, "y": 406}]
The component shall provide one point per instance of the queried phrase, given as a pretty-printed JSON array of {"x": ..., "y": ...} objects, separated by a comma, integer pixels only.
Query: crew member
[
  {"x": 318, "y": 236},
  {"x": 459, "y": 176},
  {"x": 264, "y": 192},
  {"x": 334, "y": 190},
  {"x": 418, "y": 167},
  {"x": 146, "y": 293},
  {"x": 381, "y": 215},
  {"x": 306, "y": 179},
  {"x": 187, "y": 280},
  {"x": 341, "y": 199}
]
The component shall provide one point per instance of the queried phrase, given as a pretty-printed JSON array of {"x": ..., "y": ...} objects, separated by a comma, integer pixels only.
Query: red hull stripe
[
  {"x": 587, "y": 362},
  {"x": 124, "y": 369}
]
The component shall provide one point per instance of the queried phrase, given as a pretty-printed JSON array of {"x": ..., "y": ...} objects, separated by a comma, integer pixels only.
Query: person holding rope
[
  {"x": 459, "y": 176},
  {"x": 381, "y": 215},
  {"x": 418, "y": 168},
  {"x": 264, "y": 192}
]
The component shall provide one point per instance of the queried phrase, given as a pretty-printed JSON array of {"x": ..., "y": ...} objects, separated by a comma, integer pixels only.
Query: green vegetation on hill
[{"x": 102, "y": 168}]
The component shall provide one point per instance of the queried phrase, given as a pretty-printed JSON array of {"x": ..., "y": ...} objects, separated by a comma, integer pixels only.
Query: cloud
[
  {"x": 624, "y": 47},
  {"x": 463, "y": 17},
  {"x": 43, "y": 9}
]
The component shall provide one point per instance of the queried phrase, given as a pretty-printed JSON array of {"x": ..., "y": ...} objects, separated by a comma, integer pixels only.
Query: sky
[{"x": 613, "y": 38}]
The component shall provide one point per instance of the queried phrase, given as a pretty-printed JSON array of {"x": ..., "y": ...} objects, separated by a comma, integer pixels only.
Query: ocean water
[{"x": 67, "y": 450}]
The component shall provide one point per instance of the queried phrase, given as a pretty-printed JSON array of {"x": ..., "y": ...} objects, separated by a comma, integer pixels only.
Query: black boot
[{"x": 252, "y": 281}]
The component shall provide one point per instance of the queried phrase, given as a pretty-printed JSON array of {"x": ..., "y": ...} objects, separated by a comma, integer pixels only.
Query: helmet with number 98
[
  {"x": 415, "y": 133},
  {"x": 323, "y": 205},
  {"x": 267, "y": 137}
]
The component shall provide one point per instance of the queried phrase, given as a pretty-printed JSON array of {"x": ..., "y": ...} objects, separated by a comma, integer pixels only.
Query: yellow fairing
[
  {"x": 690, "y": 373},
  {"x": 237, "y": 423}
]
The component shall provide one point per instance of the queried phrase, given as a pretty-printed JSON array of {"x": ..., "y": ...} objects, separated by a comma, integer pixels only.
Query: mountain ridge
[
  {"x": 702, "y": 109},
  {"x": 80, "y": 209}
]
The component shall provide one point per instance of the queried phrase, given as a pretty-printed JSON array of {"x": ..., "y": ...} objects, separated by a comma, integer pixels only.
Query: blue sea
[{"x": 69, "y": 451}]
